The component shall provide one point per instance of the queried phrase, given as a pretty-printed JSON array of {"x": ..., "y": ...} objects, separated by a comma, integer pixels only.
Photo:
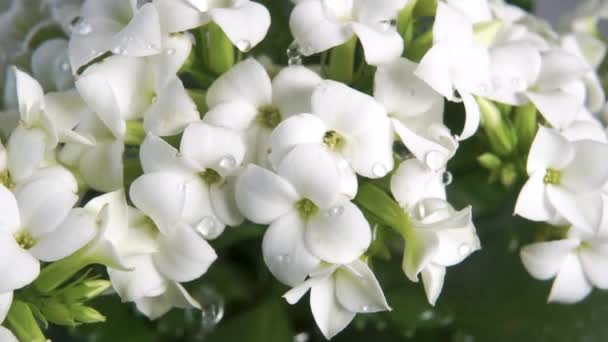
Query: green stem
[
  {"x": 526, "y": 124},
  {"x": 23, "y": 324},
  {"x": 382, "y": 206},
  {"x": 342, "y": 62},
  {"x": 135, "y": 134},
  {"x": 57, "y": 273},
  {"x": 221, "y": 50}
]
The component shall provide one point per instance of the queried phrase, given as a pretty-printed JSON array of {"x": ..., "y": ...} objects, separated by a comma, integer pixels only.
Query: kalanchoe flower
[
  {"x": 413, "y": 181},
  {"x": 245, "y": 99},
  {"x": 245, "y": 22},
  {"x": 440, "y": 237},
  {"x": 338, "y": 293},
  {"x": 118, "y": 26},
  {"x": 564, "y": 180},
  {"x": 349, "y": 124},
  {"x": 309, "y": 218},
  {"x": 319, "y": 25},
  {"x": 416, "y": 112},
  {"x": 194, "y": 185},
  {"x": 466, "y": 72},
  {"x": 578, "y": 263}
]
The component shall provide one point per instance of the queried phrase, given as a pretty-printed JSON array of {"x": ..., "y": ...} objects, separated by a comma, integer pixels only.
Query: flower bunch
[{"x": 155, "y": 126}]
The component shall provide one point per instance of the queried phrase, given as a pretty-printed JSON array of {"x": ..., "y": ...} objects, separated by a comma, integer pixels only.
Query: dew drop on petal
[
  {"x": 306, "y": 49},
  {"x": 447, "y": 178},
  {"x": 118, "y": 50},
  {"x": 464, "y": 249},
  {"x": 365, "y": 308},
  {"x": 227, "y": 162},
  {"x": 294, "y": 56},
  {"x": 64, "y": 66},
  {"x": 435, "y": 160},
  {"x": 334, "y": 211},
  {"x": 386, "y": 25},
  {"x": 243, "y": 45},
  {"x": 379, "y": 170},
  {"x": 285, "y": 258},
  {"x": 170, "y": 51},
  {"x": 81, "y": 27},
  {"x": 207, "y": 227}
]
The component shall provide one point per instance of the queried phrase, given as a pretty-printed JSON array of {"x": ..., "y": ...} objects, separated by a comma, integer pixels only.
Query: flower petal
[
  {"x": 532, "y": 202},
  {"x": 101, "y": 166},
  {"x": 142, "y": 35},
  {"x": 594, "y": 260},
  {"x": 292, "y": 89},
  {"x": 10, "y": 221},
  {"x": 434, "y": 70},
  {"x": 218, "y": 148},
  {"x": 543, "y": 260},
  {"x": 570, "y": 285},
  {"x": 558, "y": 107},
  {"x": 245, "y": 25},
  {"x": 263, "y": 196},
  {"x": 584, "y": 173},
  {"x": 223, "y": 201},
  {"x": 582, "y": 211},
  {"x": 296, "y": 130},
  {"x": 331, "y": 317},
  {"x": 172, "y": 111},
  {"x": 338, "y": 235},
  {"x": 358, "y": 289},
  {"x": 285, "y": 254},
  {"x": 157, "y": 155},
  {"x": 237, "y": 115},
  {"x": 143, "y": 280},
  {"x": 247, "y": 81},
  {"x": 549, "y": 150},
  {"x": 413, "y": 181},
  {"x": 180, "y": 15},
  {"x": 26, "y": 151},
  {"x": 6, "y": 300},
  {"x": 18, "y": 267},
  {"x": 433, "y": 277},
  {"x": 379, "y": 45}
]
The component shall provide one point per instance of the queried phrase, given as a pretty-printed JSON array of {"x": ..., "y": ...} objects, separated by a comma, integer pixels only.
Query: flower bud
[
  {"x": 86, "y": 314},
  {"x": 86, "y": 290},
  {"x": 500, "y": 135}
]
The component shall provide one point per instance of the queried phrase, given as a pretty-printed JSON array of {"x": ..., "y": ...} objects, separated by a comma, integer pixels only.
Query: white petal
[
  {"x": 313, "y": 172},
  {"x": 432, "y": 153},
  {"x": 559, "y": 68},
  {"x": 49, "y": 64},
  {"x": 292, "y": 89},
  {"x": 212, "y": 147},
  {"x": 78, "y": 229},
  {"x": 161, "y": 196},
  {"x": 434, "y": 70},
  {"x": 557, "y": 107},
  {"x": 413, "y": 181},
  {"x": 199, "y": 210},
  {"x": 142, "y": 35},
  {"x": 331, "y": 317},
  {"x": 549, "y": 150},
  {"x": 358, "y": 289},
  {"x": 223, "y": 201},
  {"x": 142, "y": 281},
  {"x": 237, "y": 115},
  {"x": 245, "y": 25},
  {"x": 543, "y": 260},
  {"x": 313, "y": 30},
  {"x": 156, "y": 155},
  {"x": 6, "y": 300},
  {"x": 296, "y": 130},
  {"x": 570, "y": 285},
  {"x": 176, "y": 49},
  {"x": 174, "y": 296},
  {"x": 532, "y": 202},
  {"x": 180, "y": 15},
  {"x": 285, "y": 254},
  {"x": 30, "y": 97},
  {"x": 585, "y": 174},
  {"x": 419, "y": 251},
  {"x": 102, "y": 167},
  {"x": 582, "y": 211},
  {"x": 26, "y": 149},
  {"x": 83, "y": 48},
  {"x": 18, "y": 267},
  {"x": 295, "y": 294},
  {"x": 113, "y": 211},
  {"x": 246, "y": 81},
  {"x": 263, "y": 196},
  {"x": 184, "y": 256},
  {"x": 7, "y": 336},
  {"x": 339, "y": 235},
  {"x": 451, "y": 24},
  {"x": 10, "y": 221},
  {"x": 432, "y": 277},
  {"x": 379, "y": 45},
  {"x": 473, "y": 116},
  {"x": 172, "y": 111}
]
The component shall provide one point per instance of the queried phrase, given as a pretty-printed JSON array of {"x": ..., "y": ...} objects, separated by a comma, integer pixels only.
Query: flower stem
[
  {"x": 342, "y": 62},
  {"x": 57, "y": 273},
  {"x": 22, "y": 323},
  {"x": 383, "y": 207},
  {"x": 221, "y": 51}
]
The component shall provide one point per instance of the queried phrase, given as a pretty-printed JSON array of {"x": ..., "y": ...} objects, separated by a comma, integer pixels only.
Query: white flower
[
  {"x": 118, "y": 26},
  {"x": 413, "y": 181},
  {"x": 194, "y": 185},
  {"x": 416, "y": 111},
  {"x": 45, "y": 121},
  {"x": 578, "y": 263},
  {"x": 246, "y": 100},
  {"x": 338, "y": 293},
  {"x": 565, "y": 180},
  {"x": 440, "y": 237},
  {"x": 51, "y": 66},
  {"x": 350, "y": 124},
  {"x": 466, "y": 71},
  {"x": 175, "y": 296},
  {"x": 244, "y": 22},
  {"x": 121, "y": 88},
  {"x": 309, "y": 217},
  {"x": 319, "y": 25}
]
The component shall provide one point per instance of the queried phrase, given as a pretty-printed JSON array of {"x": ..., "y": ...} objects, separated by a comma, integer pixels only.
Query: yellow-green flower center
[
  {"x": 25, "y": 240},
  {"x": 269, "y": 116},
  {"x": 333, "y": 140},
  {"x": 210, "y": 176},
  {"x": 306, "y": 208},
  {"x": 6, "y": 180},
  {"x": 553, "y": 177}
]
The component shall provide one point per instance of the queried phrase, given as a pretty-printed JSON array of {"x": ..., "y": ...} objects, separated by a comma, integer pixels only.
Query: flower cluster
[{"x": 147, "y": 133}]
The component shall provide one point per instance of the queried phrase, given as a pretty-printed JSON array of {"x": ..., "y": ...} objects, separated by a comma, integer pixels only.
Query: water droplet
[
  {"x": 94, "y": 52},
  {"x": 464, "y": 249},
  {"x": 170, "y": 51},
  {"x": 388, "y": 24},
  {"x": 294, "y": 56},
  {"x": 447, "y": 178},
  {"x": 426, "y": 315},
  {"x": 154, "y": 99},
  {"x": 150, "y": 46},
  {"x": 379, "y": 170},
  {"x": 118, "y": 50},
  {"x": 335, "y": 211},
  {"x": 435, "y": 160},
  {"x": 212, "y": 308},
  {"x": 365, "y": 308},
  {"x": 81, "y": 27},
  {"x": 285, "y": 258},
  {"x": 227, "y": 162},
  {"x": 208, "y": 228},
  {"x": 421, "y": 210},
  {"x": 64, "y": 66},
  {"x": 306, "y": 49},
  {"x": 301, "y": 337},
  {"x": 243, "y": 45}
]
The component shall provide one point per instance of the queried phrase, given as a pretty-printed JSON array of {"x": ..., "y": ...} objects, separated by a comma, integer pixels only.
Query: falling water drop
[{"x": 208, "y": 228}]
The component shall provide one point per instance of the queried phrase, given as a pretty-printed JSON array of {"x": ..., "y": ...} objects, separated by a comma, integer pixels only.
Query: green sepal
[
  {"x": 21, "y": 321},
  {"x": 342, "y": 62},
  {"x": 383, "y": 207}
]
